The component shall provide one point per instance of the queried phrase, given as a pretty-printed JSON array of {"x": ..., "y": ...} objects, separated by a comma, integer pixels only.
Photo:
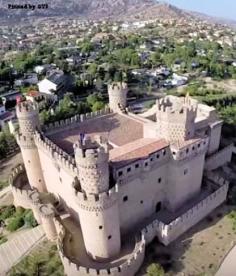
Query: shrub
[
  {"x": 15, "y": 223},
  {"x": 7, "y": 212},
  {"x": 155, "y": 270},
  {"x": 29, "y": 219}
]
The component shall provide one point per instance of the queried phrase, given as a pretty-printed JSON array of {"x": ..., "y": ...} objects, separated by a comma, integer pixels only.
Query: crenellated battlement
[
  {"x": 117, "y": 92},
  {"x": 97, "y": 202},
  {"x": 175, "y": 118},
  {"x": 118, "y": 87},
  {"x": 181, "y": 152},
  {"x": 89, "y": 153},
  {"x": 57, "y": 154},
  {"x": 179, "y": 109},
  {"x": 25, "y": 141},
  {"x": 24, "y": 108},
  {"x": 129, "y": 267},
  {"x": 47, "y": 211},
  {"x": 71, "y": 122},
  {"x": 92, "y": 162},
  {"x": 16, "y": 172},
  {"x": 171, "y": 231}
]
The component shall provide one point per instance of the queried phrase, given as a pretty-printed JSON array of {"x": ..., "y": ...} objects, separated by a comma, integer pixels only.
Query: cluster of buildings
[{"x": 105, "y": 184}]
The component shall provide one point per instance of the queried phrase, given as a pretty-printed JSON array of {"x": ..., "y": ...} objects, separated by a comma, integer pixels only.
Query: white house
[
  {"x": 5, "y": 116},
  {"x": 52, "y": 84}
]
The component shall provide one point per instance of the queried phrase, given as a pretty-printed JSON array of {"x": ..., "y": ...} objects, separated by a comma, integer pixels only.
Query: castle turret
[
  {"x": 47, "y": 215},
  {"x": 28, "y": 118},
  {"x": 117, "y": 92},
  {"x": 175, "y": 118},
  {"x": 98, "y": 205},
  {"x": 92, "y": 162}
]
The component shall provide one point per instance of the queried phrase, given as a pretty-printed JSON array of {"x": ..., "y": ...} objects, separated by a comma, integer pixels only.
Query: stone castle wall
[
  {"x": 70, "y": 123},
  {"x": 169, "y": 232},
  {"x": 220, "y": 158},
  {"x": 21, "y": 197},
  {"x": 57, "y": 155},
  {"x": 129, "y": 267}
]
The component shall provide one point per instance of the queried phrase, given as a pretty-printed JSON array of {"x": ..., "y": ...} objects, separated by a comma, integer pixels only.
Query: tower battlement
[
  {"x": 97, "y": 202},
  {"x": 92, "y": 162},
  {"x": 24, "y": 108},
  {"x": 183, "y": 108},
  {"x": 118, "y": 87},
  {"x": 89, "y": 153},
  {"x": 25, "y": 141},
  {"x": 176, "y": 117},
  {"x": 117, "y": 92}
]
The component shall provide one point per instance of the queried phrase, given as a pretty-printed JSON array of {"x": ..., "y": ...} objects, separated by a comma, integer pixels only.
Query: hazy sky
[{"x": 220, "y": 8}]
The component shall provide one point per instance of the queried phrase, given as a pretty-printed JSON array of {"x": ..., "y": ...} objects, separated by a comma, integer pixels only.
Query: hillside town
[{"x": 134, "y": 121}]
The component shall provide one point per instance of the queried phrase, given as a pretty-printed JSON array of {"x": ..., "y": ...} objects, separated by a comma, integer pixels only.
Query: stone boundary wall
[
  {"x": 169, "y": 232},
  {"x": 55, "y": 153},
  {"x": 97, "y": 202},
  {"x": 69, "y": 123},
  {"x": 21, "y": 197},
  {"x": 129, "y": 267},
  {"x": 220, "y": 158}
]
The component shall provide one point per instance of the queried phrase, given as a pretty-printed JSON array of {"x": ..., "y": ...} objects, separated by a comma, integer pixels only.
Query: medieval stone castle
[{"x": 105, "y": 184}]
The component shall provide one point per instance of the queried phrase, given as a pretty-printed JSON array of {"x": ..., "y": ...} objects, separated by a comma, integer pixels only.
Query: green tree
[
  {"x": 29, "y": 219},
  {"x": 15, "y": 223},
  {"x": 155, "y": 270},
  {"x": 98, "y": 106}
]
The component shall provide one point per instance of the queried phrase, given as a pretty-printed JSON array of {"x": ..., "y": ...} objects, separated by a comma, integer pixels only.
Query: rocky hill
[{"x": 94, "y": 9}]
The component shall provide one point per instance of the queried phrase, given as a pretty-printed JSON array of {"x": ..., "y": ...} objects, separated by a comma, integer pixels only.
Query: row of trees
[
  {"x": 68, "y": 107},
  {"x": 7, "y": 143}
]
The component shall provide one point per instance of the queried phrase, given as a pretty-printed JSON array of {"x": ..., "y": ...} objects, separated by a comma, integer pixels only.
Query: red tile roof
[{"x": 139, "y": 149}]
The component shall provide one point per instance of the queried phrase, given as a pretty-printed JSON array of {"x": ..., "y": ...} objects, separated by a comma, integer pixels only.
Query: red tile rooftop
[
  {"x": 119, "y": 129},
  {"x": 33, "y": 93},
  {"x": 139, "y": 149}
]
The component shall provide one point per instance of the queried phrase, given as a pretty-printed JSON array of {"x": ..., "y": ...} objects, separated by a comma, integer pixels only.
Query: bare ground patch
[{"x": 199, "y": 251}]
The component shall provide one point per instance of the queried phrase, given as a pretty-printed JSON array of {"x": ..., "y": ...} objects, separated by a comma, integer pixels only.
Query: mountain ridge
[
  {"x": 103, "y": 9},
  {"x": 94, "y": 9}
]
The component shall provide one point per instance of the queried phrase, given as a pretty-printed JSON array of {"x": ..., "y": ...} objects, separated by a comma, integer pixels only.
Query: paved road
[
  {"x": 12, "y": 251},
  {"x": 228, "y": 267}
]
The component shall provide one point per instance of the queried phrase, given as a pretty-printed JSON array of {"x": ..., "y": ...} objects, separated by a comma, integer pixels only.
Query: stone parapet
[
  {"x": 58, "y": 155},
  {"x": 219, "y": 158},
  {"x": 71, "y": 122},
  {"x": 191, "y": 150},
  {"x": 97, "y": 202},
  {"x": 21, "y": 196},
  {"x": 169, "y": 232},
  {"x": 25, "y": 141},
  {"x": 128, "y": 267},
  {"x": 25, "y": 107}
]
